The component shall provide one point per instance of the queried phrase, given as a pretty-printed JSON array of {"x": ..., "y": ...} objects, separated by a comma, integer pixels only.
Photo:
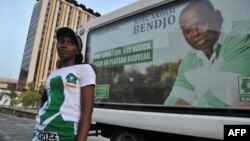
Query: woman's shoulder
[{"x": 86, "y": 66}]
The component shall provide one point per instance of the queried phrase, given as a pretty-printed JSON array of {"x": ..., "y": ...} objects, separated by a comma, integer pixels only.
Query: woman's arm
[
  {"x": 87, "y": 100},
  {"x": 43, "y": 99}
]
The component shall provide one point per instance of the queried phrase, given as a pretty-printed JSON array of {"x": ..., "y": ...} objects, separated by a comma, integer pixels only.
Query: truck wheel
[{"x": 126, "y": 135}]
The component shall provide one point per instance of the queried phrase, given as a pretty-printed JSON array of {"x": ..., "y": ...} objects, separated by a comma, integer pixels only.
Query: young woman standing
[{"x": 66, "y": 105}]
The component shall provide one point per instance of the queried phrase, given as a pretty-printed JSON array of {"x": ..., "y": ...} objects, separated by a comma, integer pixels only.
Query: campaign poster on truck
[{"x": 161, "y": 57}]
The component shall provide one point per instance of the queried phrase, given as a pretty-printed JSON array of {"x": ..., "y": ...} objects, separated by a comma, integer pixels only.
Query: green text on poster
[{"x": 130, "y": 54}]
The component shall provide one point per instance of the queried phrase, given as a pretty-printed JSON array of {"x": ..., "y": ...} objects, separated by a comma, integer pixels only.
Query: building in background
[
  {"x": 40, "y": 57},
  {"x": 8, "y": 83}
]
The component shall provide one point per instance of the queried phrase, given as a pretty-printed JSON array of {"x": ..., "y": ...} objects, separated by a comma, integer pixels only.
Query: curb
[{"x": 18, "y": 112}]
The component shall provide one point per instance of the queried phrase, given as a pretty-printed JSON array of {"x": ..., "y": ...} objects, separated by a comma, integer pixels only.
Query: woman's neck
[{"x": 67, "y": 63}]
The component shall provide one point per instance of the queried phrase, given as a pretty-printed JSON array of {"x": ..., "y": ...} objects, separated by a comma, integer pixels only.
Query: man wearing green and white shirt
[{"x": 209, "y": 75}]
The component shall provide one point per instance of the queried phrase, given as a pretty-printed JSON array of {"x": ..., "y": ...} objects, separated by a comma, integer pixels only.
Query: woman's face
[
  {"x": 200, "y": 28},
  {"x": 66, "y": 48}
]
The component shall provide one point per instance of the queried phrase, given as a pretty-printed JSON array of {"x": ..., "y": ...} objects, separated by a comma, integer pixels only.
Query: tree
[
  {"x": 161, "y": 78},
  {"x": 30, "y": 96}
]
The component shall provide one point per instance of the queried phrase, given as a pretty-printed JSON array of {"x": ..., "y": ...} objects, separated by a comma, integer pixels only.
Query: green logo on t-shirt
[{"x": 71, "y": 78}]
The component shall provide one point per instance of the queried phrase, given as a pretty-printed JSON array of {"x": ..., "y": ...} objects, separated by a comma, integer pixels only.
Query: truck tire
[{"x": 126, "y": 135}]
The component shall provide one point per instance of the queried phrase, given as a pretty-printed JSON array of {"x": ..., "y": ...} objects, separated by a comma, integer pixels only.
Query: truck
[{"x": 153, "y": 82}]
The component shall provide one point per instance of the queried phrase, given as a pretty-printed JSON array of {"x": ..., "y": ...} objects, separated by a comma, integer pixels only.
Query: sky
[{"x": 15, "y": 17}]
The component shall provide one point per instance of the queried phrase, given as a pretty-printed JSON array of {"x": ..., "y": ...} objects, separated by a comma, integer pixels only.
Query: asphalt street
[{"x": 14, "y": 128}]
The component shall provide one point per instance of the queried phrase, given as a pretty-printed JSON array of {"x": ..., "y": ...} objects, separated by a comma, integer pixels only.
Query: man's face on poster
[{"x": 200, "y": 27}]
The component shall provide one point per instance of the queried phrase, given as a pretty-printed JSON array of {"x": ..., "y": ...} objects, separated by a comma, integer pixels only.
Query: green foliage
[
  {"x": 29, "y": 97},
  {"x": 133, "y": 86}
]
